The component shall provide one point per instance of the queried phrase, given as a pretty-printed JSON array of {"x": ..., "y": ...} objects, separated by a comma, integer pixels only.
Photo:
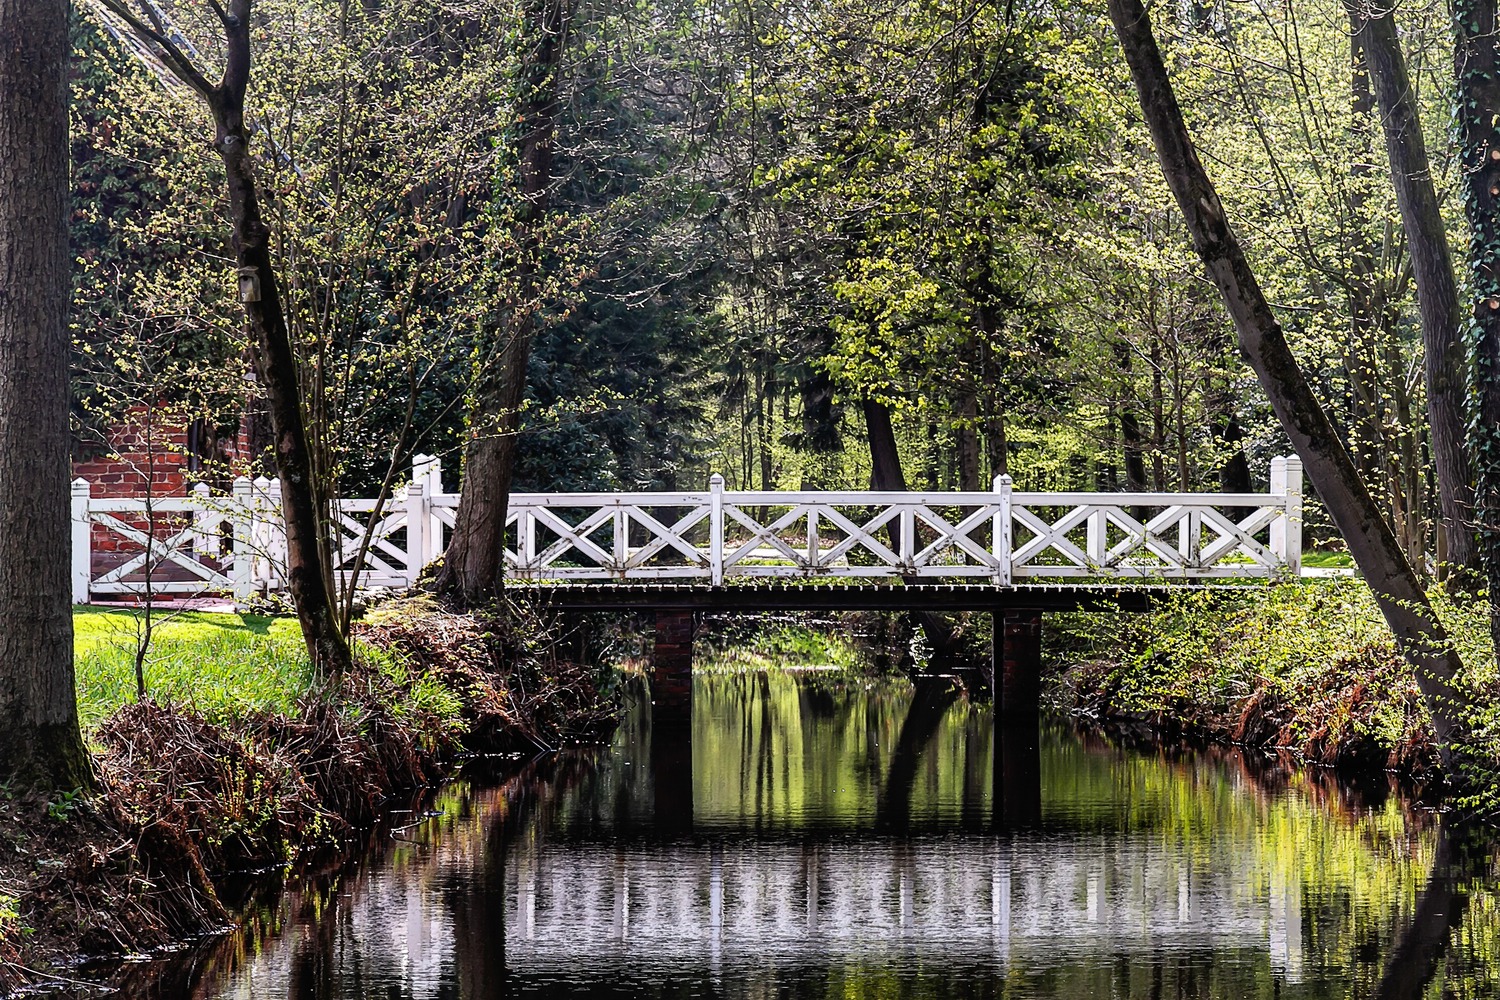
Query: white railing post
[
  {"x": 908, "y": 553},
  {"x": 242, "y": 517},
  {"x": 1098, "y": 535},
  {"x": 83, "y": 542},
  {"x": 1000, "y": 529},
  {"x": 421, "y": 467},
  {"x": 1293, "y": 557},
  {"x": 263, "y": 567},
  {"x": 204, "y": 535},
  {"x": 1286, "y": 531},
  {"x": 1190, "y": 537},
  {"x": 812, "y": 538},
  {"x": 416, "y": 530},
  {"x": 716, "y": 529},
  {"x": 429, "y": 469},
  {"x": 622, "y": 539}
]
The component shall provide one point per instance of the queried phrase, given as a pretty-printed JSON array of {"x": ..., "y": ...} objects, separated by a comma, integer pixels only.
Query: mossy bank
[{"x": 1309, "y": 669}]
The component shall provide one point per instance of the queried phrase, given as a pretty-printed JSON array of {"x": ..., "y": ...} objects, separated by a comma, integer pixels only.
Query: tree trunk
[
  {"x": 1432, "y": 262},
  {"x": 40, "y": 745},
  {"x": 886, "y": 474},
  {"x": 474, "y": 564},
  {"x": 1420, "y": 636},
  {"x": 1477, "y": 70},
  {"x": 303, "y": 503},
  {"x": 967, "y": 434}
]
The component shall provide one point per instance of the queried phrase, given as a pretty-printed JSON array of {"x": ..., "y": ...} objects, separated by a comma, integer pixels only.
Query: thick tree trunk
[
  {"x": 1432, "y": 263},
  {"x": 1477, "y": 69},
  {"x": 40, "y": 745},
  {"x": 1402, "y": 601},
  {"x": 474, "y": 564}
]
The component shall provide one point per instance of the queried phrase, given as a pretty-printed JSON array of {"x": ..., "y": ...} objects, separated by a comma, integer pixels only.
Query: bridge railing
[{"x": 180, "y": 546}]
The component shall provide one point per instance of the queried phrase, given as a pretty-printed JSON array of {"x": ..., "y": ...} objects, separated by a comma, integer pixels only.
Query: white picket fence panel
[{"x": 236, "y": 544}]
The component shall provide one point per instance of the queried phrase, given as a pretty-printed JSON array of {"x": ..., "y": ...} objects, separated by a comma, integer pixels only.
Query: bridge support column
[
  {"x": 1017, "y": 764},
  {"x": 672, "y": 669},
  {"x": 1017, "y": 654}
]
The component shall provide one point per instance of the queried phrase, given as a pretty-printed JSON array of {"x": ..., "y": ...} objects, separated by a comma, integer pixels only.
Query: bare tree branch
[{"x": 172, "y": 57}]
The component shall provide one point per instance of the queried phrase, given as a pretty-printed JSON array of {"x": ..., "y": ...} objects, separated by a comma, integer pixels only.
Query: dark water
[{"x": 818, "y": 839}]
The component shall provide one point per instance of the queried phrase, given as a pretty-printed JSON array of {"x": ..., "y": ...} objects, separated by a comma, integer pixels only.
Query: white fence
[{"x": 204, "y": 543}]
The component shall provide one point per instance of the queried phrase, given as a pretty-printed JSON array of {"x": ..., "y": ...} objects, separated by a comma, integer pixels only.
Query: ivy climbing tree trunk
[
  {"x": 40, "y": 745},
  {"x": 1477, "y": 72},
  {"x": 1432, "y": 268},
  {"x": 1419, "y": 634},
  {"x": 304, "y": 508},
  {"x": 474, "y": 563}
]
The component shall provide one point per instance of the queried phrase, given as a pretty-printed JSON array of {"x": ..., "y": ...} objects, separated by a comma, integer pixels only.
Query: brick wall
[{"x": 147, "y": 447}]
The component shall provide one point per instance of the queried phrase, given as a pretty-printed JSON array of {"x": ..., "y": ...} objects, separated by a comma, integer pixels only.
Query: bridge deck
[{"x": 854, "y": 597}]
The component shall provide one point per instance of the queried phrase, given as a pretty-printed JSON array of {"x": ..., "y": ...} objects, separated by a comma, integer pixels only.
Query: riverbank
[
  {"x": 242, "y": 762},
  {"x": 1308, "y": 669}
]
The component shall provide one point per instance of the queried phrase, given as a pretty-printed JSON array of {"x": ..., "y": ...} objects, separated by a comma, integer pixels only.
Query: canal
[{"x": 812, "y": 836}]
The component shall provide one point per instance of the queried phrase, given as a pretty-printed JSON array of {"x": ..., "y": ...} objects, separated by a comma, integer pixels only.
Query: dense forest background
[{"x": 788, "y": 241}]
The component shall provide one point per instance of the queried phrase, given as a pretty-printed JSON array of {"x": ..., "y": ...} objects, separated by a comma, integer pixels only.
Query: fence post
[
  {"x": 1286, "y": 531},
  {"x": 622, "y": 540},
  {"x": 1000, "y": 530},
  {"x": 429, "y": 469},
  {"x": 716, "y": 529},
  {"x": 421, "y": 467},
  {"x": 83, "y": 542},
  {"x": 416, "y": 530},
  {"x": 1294, "y": 516},
  {"x": 242, "y": 515},
  {"x": 204, "y": 535}
]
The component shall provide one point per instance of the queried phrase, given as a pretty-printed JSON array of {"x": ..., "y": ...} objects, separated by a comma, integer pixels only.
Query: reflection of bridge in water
[
  {"x": 625, "y": 870},
  {"x": 957, "y": 897}
]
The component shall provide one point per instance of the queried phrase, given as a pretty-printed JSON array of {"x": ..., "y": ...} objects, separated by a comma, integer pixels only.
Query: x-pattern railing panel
[
  {"x": 155, "y": 553},
  {"x": 716, "y": 535},
  {"x": 1205, "y": 536}
]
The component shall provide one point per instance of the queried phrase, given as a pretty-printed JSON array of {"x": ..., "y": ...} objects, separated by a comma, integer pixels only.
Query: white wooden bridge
[{"x": 234, "y": 543}]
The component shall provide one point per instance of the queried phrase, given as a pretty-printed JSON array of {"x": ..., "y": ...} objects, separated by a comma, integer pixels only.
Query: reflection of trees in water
[
  {"x": 929, "y": 704},
  {"x": 1319, "y": 882},
  {"x": 1462, "y": 858}
]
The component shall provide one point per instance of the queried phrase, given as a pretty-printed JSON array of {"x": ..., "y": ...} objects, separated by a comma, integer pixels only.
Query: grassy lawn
[
  {"x": 1327, "y": 560},
  {"x": 222, "y": 665}
]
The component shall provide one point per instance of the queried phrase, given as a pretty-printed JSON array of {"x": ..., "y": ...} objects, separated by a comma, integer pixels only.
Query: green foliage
[
  {"x": 776, "y": 645},
  {"x": 61, "y": 808},
  {"x": 1309, "y": 666}
]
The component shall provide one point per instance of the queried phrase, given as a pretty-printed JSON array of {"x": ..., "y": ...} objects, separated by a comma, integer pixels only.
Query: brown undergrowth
[
  {"x": 187, "y": 808},
  {"x": 1328, "y": 722}
]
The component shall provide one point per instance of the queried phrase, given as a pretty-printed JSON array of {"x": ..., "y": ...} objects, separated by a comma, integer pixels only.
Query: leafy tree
[{"x": 1419, "y": 633}]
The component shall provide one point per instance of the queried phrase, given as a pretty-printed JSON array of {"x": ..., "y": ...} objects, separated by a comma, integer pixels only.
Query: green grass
[
  {"x": 221, "y": 665},
  {"x": 1328, "y": 560},
  {"x": 779, "y": 646}
]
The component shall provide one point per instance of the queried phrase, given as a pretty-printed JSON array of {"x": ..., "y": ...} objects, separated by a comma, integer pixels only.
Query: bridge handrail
[{"x": 236, "y": 542}]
